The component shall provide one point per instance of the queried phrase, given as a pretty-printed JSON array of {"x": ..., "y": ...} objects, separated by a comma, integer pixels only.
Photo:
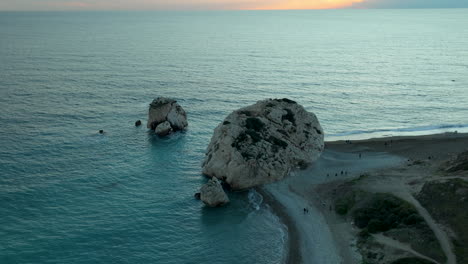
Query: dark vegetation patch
[
  {"x": 254, "y": 123},
  {"x": 244, "y": 137},
  {"x": 412, "y": 261},
  {"x": 254, "y": 135},
  {"x": 447, "y": 202},
  {"x": 274, "y": 148},
  {"x": 289, "y": 116},
  {"x": 286, "y": 100},
  {"x": 383, "y": 212},
  {"x": 421, "y": 238},
  {"x": 247, "y": 155},
  {"x": 283, "y": 132},
  {"x": 270, "y": 104},
  {"x": 238, "y": 141},
  {"x": 387, "y": 214},
  {"x": 277, "y": 142}
]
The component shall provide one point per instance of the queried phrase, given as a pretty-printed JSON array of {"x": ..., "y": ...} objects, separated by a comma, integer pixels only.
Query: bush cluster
[{"x": 384, "y": 212}]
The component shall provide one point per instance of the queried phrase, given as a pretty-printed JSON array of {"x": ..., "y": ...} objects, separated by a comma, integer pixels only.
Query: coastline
[
  {"x": 316, "y": 184},
  {"x": 292, "y": 249}
]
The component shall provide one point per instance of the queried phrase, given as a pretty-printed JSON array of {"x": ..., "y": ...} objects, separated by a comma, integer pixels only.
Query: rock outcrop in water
[
  {"x": 261, "y": 143},
  {"x": 212, "y": 193},
  {"x": 167, "y": 113}
]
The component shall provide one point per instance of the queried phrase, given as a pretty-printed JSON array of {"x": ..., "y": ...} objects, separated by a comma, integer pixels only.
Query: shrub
[
  {"x": 254, "y": 123},
  {"x": 278, "y": 142},
  {"x": 384, "y": 212},
  {"x": 289, "y": 116}
]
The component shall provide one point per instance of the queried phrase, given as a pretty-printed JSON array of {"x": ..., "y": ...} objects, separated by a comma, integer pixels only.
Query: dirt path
[
  {"x": 397, "y": 188},
  {"x": 398, "y": 245}
]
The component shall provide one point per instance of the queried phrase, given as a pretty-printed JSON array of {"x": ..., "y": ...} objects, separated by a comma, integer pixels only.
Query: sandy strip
[{"x": 293, "y": 249}]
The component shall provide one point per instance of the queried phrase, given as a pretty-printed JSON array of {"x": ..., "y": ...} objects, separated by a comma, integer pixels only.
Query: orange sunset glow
[
  {"x": 308, "y": 4},
  {"x": 176, "y": 4}
]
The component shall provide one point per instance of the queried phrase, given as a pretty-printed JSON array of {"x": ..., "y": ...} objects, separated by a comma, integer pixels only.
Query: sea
[{"x": 71, "y": 195}]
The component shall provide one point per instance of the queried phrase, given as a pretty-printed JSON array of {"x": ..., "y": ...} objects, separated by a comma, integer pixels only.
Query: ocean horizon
[{"x": 71, "y": 195}]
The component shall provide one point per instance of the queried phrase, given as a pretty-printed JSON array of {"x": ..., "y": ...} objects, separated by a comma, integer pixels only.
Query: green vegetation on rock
[{"x": 254, "y": 123}]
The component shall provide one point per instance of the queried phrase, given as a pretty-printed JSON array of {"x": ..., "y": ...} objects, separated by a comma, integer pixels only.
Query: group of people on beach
[{"x": 336, "y": 174}]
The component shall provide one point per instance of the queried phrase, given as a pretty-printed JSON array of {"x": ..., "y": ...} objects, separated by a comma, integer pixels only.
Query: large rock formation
[
  {"x": 166, "y": 111},
  {"x": 212, "y": 193},
  {"x": 261, "y": 143}
]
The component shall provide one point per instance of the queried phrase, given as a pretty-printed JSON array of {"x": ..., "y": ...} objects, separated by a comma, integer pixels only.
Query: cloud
[
  {"x": 412, "y": 4},
  {"x": 131, "y": 4},
  {"x": 221, "y": 4}
]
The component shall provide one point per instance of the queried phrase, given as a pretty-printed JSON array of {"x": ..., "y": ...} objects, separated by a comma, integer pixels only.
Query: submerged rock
[
  {"x": 163, "y": 110},
  {"x": 261, "y": 143},
  {"x": 138, "y": 123},
  {"x": 212, "y": 193}
]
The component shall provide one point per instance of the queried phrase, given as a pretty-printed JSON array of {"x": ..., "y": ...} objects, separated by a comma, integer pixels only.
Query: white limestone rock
[
  {"x": 177, "y": 117},
  {"x": 261, "y": 143},
  {"x": 212, "y": 193},
  {"x": 164, "y": 109},
  {"x": 163, "y": 129}
]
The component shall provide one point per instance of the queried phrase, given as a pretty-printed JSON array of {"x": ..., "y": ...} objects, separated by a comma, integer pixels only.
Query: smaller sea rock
[
  {"x": 197, "y": 196},
  {"x": 166, "y": 110},
  {"x": 163, "y": 129},
  {"x": 212, "y": 193},
  {"x": 138, "y": 123}
]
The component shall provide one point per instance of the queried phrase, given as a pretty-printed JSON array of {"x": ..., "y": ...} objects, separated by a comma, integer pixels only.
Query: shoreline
[
  {"x": 292, "y": 250},
  {"x": 378, "y": 154}
]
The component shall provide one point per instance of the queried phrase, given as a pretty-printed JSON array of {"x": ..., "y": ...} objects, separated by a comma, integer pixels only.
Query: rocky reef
[
  {"x": 165, "y": 116},
  {"x": 261, "y": 143}
]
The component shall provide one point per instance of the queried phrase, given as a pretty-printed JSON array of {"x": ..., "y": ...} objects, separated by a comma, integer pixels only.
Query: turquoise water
[{"x": 70, "y": 195}]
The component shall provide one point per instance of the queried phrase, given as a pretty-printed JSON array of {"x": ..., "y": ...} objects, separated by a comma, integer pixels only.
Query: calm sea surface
[{"x": 70, "y": 195}]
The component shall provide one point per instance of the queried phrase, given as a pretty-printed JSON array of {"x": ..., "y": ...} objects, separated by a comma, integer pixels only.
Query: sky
[{"x": 53, "y": 5}]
